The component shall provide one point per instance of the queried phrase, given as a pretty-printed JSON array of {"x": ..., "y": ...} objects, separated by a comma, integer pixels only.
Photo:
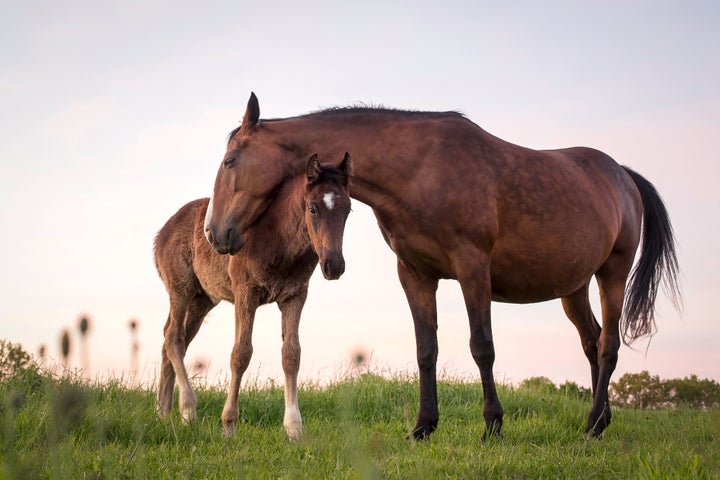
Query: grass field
[{"x": 354, "y": 428}]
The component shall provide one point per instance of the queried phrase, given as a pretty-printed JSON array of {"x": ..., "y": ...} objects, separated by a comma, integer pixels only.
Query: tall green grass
[{"x": 354, "y": 428}]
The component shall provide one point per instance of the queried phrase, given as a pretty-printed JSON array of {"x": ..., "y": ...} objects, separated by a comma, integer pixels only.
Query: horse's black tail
[{"x": 657, "y": 265}]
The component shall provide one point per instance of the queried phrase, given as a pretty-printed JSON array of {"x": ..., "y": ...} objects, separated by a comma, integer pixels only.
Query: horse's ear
[
  {"x": 252, "y": 113},
  {"x": 346, "y": 165},
  {"x": 312, "y": 170}
]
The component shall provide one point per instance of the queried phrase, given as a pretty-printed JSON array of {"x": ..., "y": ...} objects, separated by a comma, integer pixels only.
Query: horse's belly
[{"x": 533, "y": 283}]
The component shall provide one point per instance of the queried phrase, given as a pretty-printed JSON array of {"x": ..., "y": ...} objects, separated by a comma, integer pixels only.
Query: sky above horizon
[{"x": 115, "y": 114}]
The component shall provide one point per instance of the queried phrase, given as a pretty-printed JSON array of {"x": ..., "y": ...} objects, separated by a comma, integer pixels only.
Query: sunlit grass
[{"x": 354, "y": 428}]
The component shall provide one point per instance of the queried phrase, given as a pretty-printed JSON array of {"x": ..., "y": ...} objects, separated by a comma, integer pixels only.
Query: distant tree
[
  {"x": 638, "y": 390},
  {"x": 642, "y": 390},
  {"x": 575, "y": 390},
  {"x": 13, "y": 359},
  {"x": 538, "y": 383},
  {"x": 693, "y": 392}
]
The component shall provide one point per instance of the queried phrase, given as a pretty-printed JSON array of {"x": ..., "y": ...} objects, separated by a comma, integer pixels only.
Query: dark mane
[
  {"x": 362, "y": 108},
  {"x": 359, "y": 109},
  {"x": 233, "y": 132},
  {"x": 333, "y": 175}
]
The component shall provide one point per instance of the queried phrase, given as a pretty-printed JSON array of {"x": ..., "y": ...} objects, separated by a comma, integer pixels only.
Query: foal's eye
[
  {"x": 312, "y": 208},
  {"x": 228, "y": 162}
]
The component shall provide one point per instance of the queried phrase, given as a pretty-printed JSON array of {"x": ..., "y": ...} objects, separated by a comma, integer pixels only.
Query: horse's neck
[{"x": 376, "y": 155}]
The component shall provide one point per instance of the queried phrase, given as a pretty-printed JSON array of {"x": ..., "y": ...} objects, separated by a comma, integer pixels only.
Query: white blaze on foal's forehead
[{"x": 329, "y": 200}]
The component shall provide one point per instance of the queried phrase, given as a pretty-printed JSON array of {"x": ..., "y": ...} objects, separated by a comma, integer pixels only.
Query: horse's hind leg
[
  {"x": 245, "y": 305},
  {"x": 578, "y": 310},
  {"x": 611, "y": 282},
  {"x": 291, "y": 311}
]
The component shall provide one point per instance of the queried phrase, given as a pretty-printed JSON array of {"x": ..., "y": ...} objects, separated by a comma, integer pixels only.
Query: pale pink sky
[{"x": 115, "y": 115}]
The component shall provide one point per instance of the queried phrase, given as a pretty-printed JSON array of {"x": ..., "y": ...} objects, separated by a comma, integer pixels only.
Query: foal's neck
[{"x": 284, "y": 220}]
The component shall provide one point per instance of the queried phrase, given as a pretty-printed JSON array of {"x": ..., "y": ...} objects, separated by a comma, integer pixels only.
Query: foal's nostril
[
  {"x": 209, "y": 235},
  {"x": 326, "y": 268}
]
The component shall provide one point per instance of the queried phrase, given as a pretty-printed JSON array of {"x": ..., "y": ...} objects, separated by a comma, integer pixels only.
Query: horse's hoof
[
  {"x": 596, "y": 427},
  {"x": 493, "y": 432},
  {"x": 489, "y": 436},
  {"x": 421, "y": 433}
]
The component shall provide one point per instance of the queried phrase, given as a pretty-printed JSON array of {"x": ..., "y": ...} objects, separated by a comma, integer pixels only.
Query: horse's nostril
[{"x": 209, "y": 235}]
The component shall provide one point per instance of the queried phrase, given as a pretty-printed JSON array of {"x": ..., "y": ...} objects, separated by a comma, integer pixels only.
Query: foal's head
[{"x": 327, "y": 205}]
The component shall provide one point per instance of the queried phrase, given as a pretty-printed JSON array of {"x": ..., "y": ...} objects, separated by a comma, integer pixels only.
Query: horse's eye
[
  {"x": 312, "y": 208},
  {"x": 228, "y": 162}
]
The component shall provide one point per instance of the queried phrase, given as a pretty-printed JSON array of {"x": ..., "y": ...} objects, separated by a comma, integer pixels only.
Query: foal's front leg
[
  {"x": 246, "y": 302},
  {"x": 291, "y": 310}
]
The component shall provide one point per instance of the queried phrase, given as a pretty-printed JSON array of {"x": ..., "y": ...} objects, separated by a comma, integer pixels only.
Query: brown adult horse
[
  {"x": 304, "y": 222},
  {"x": 511, "y": 224}
]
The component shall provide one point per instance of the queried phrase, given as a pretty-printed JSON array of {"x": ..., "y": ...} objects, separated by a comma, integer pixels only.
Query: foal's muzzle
[{"x": 332, "y": 266}]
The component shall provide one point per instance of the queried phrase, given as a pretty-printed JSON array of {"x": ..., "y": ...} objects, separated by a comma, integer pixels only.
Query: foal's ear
[
  {"x": 346, "y": 165},
  {"x": 252, "y": 113},
  {"x": 312, "y": 170}
]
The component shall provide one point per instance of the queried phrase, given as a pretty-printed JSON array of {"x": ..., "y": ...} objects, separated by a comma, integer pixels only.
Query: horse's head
[
  {"x": 239, "y": 197},
  {"x": 327, "y": 205}
]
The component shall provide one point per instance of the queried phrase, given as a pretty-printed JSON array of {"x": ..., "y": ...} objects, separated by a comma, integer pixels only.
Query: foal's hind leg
[
  {"x": 291, "y": 310},
  {"x": 200, "y": 305},
  {"x": 167, "y": 378},
  {"x": 578, "y": 310},
  {"x": 174, "y": 348},
  {"x": 245, "y": 305}
]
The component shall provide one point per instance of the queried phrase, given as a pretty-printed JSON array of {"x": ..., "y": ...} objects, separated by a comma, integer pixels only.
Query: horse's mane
[
  {"x": 363, "y": 108},
  {"x": 360, "y": 109}
]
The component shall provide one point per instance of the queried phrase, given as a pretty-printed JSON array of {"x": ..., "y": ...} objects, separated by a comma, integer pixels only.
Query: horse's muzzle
[{"x": 228, "y": 241}]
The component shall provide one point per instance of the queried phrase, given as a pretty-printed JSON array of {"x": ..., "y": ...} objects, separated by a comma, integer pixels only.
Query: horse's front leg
[
  {"x": 291, "y": 310},
  {"x": 474, "y": 278},
  {"x": 420, "y": 293},
  {"x": 246, "y": 302}
]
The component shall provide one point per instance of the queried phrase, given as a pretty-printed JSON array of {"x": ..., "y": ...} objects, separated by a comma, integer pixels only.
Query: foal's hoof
[
  {"x": 189, "y": 416},
  {"x": 294, "y": 432},
  {"x": 229, "y": 429}
]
